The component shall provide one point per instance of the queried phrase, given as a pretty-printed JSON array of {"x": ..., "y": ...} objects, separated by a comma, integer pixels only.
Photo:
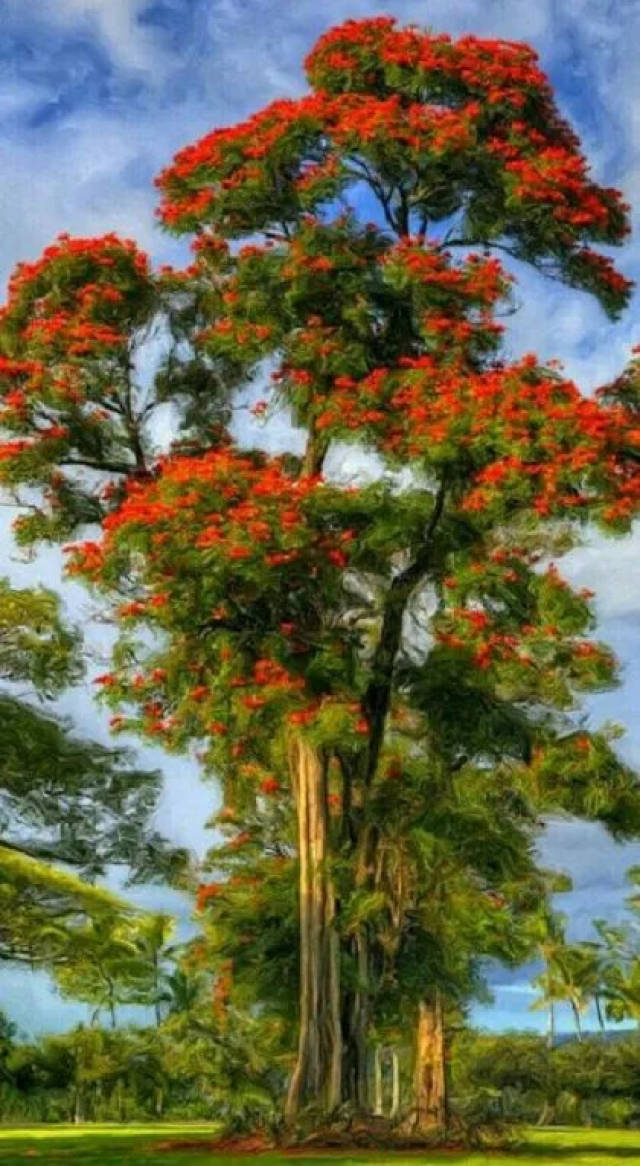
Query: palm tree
[
  {"x": 152, "y": 935},
  {"x": 580, "y": 965},
  {"x": 550, "y": 926},
  {"x": 573, "y": 973},
  {"x": 181, "y": 991},
  {"x": 620, "y": 964}
]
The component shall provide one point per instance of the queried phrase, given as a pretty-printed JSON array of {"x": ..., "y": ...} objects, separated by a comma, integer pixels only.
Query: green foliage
[
  {"x": 63, "y": 800},
  {"x": 35, "y": 644},
  {"x": 518, "y": 1077},
  {"x": 115, "y": 962}
]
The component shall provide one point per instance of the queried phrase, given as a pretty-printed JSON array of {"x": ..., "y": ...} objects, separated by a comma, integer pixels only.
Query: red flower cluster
[
  {"x": 188, "y": 525},
  {"x": 531, "y": 653},
  {"x": 69, "y": 316},
  {"x": 206, "y": 892},
  {"x": 103, "y": 253},
  {"x": 243, "y": 507},
  {"x": 393, "y": 105},
  {"x": 361, "y": 55},
  {"x": 528, "y": 438}
]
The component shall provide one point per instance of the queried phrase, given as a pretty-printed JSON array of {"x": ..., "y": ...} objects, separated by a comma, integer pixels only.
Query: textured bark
[
  {"x": 316, "y": 1078},
  {"x": 356, "y": 1089},
  {"x": 429, "y": 1072},
  {"x": 333, "y": 1019},
  {"x": 377, "y": 698},
  {"x": 355, "y": 1013},
  {"x": 362, "y": 1024}
]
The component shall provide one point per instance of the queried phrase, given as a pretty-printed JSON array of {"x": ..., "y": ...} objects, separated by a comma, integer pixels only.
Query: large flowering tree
[{"x": 352, "y": 655}]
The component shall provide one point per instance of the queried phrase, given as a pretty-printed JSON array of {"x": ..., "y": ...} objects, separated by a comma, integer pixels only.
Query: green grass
[{"x": 137, "y": 1146}]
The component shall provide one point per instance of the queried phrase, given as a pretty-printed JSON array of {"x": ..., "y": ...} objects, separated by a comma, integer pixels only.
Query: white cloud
[
  {"x": 611, "y": 568},
  {"x": 115, "y": 22}
]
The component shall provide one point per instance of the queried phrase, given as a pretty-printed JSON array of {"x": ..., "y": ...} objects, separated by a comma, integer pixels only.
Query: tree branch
[
  {"x": 109, "y": 466},
  {"x": 377, "y": 697}
]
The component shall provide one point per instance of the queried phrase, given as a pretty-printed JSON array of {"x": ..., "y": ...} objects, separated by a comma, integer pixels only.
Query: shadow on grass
[{"x": 566, "y": 1153}]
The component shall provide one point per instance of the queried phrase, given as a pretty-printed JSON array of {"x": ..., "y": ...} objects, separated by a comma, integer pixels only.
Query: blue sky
[{"x": 95, "y": 97}]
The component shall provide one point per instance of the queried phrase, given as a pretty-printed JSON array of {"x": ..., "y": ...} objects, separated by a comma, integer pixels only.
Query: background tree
[
  {"x": 620, "y": 959},
  {"x": 572, "y": 975},
  {"x": 118, "y": 962},
  {"x": 68, "y": 807}
]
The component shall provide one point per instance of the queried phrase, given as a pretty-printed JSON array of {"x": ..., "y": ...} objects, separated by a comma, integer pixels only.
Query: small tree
[{"x": 116, "y": 962}]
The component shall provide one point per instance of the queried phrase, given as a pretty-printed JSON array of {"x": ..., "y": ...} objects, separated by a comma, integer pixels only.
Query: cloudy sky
[{"x": 96, "y": 96}]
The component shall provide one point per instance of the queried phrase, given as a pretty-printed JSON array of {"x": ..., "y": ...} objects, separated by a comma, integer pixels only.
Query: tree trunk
[
  {"x": 429, "y": 1072},
  {"x": 545, "y": 1115},
  {"x": 111, "y": 1002},
  {"x": 355, "y": 1011},
  {"x": 356, "y": 1003},
  {"x": 551, "y": 1032},
  {"x": 599, "y": 1014},
  {"x": 378, "y": 1101},
  {"x": 316, "y": 1077},
  {"x": 121, "y": 1101},
  {"x": 395, "y": 1086},
  {"x": 156, "y": 990},
  {"x": 576, "y": 1017}
]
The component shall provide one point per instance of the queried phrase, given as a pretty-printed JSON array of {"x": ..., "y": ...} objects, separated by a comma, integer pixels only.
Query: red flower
[
  {"x": 253, "y": 701},
  {"x": 270, "y": 786}
]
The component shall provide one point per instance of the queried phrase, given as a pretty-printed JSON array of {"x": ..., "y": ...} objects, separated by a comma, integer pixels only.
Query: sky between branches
[{"x": 96, "y": 97}]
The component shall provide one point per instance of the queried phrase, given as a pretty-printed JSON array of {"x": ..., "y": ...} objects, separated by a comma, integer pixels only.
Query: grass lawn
[{"x": 139, "y": 1146}]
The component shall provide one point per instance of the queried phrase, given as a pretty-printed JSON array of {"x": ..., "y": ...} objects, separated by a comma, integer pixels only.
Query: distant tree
[
  {"x": 620, "y": 958},
  {"x": 68, "y": 808},
  {"x": 115, "y": 962},
  {"x": 574, "y": 973},
  {"x": 181, "y": 990}
]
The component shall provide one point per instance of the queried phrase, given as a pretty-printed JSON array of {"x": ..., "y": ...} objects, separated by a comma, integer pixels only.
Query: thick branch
[
  {"x": 385, "y": 200},
  {"x": 105, "y": 465},
  {"x": 314, "y": 454},
  {"x": 378, "y": 695},
  {"x": 31, "y": 850}
]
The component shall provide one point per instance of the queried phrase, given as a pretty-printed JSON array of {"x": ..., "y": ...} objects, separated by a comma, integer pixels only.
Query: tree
[
  {"x": 308, "y": 636},
  {"x": 68, "y": 807},
  {"x": 117, "y": 962},
  {"x": 619, "y": 949},
  {"x": 548, "y": 981},
  {"x": 572, "y": 975}
]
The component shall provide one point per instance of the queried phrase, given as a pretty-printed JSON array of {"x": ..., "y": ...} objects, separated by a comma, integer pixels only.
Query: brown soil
[
  {"x": 248, "y": 1144},
  {"x": 330, "y": 1144}
]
